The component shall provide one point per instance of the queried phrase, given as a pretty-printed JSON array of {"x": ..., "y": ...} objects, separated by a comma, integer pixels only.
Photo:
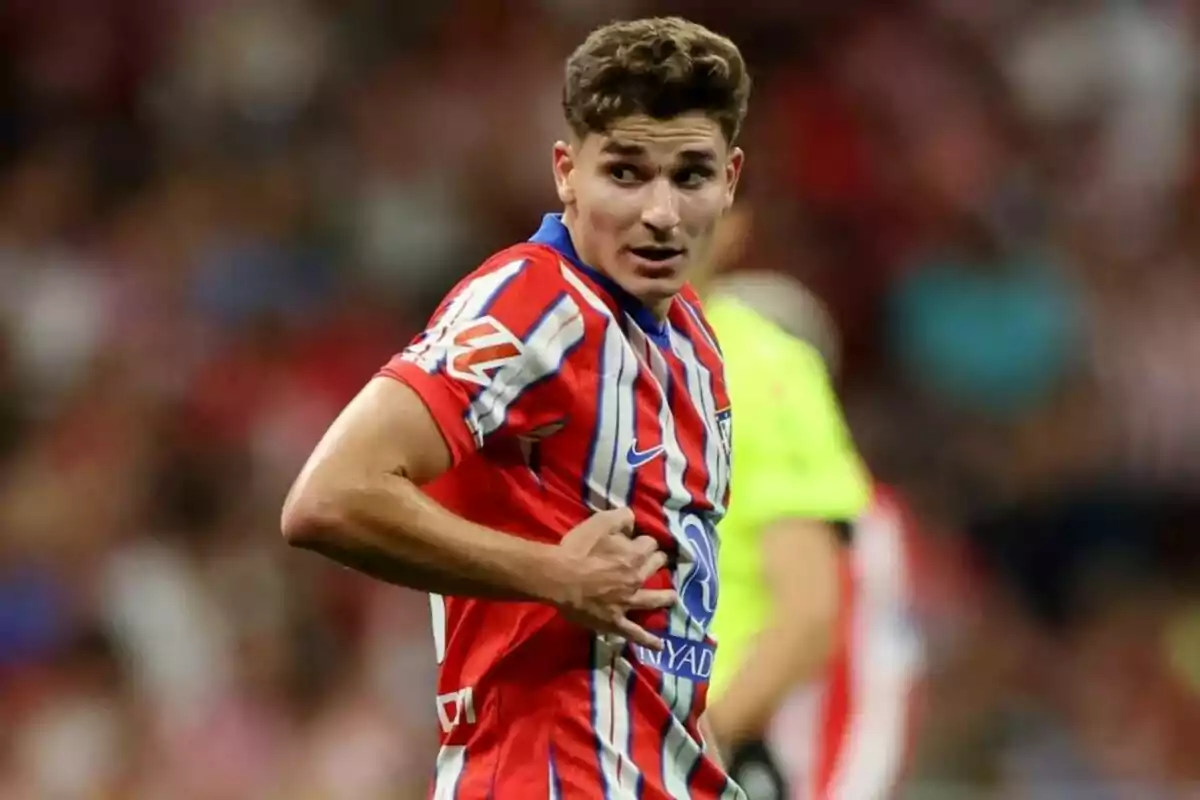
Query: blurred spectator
[{"x": 987, "y": 334}]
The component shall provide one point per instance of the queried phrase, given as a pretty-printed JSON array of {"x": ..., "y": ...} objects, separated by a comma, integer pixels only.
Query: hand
[{"x": 601, "y": 572}]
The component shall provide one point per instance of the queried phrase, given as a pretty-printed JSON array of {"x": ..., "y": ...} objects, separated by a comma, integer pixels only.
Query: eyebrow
[
  {"x": 622, "y": 149},
  {"x": 628, "y": 150}
]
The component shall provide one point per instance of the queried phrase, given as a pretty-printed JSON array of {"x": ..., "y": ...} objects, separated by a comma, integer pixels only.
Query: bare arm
[
  {"x": 801, "y": 562},
  {"x": 358, "y": 502}
]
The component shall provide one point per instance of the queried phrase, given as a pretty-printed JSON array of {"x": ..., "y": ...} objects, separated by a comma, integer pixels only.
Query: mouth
[{"x": 658, "y": 258}]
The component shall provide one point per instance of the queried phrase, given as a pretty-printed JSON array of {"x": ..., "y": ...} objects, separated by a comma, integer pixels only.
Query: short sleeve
[
  {"x": 494, "y": 359},
  {"x": 793, "y": 455}
]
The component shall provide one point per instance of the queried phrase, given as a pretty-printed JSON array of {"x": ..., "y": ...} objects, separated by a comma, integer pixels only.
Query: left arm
[{"x": 801, "y": 569}]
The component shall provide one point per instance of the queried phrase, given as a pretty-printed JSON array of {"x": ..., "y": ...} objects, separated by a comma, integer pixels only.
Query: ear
[
  {"x": 564, "y": 169},
  {"x": 733, "y": 173}
]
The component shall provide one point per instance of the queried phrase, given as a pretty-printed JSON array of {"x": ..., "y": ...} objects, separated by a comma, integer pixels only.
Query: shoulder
[
  {"x": 524, "y": 304},
  {"x": 535, "y": 274},
  {"x": 519, "y": 287},
  {"x": 525, "y": 266}
]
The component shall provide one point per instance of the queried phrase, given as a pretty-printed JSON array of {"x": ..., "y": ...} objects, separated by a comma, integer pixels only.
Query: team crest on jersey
[
  {"x": 725, "y": 426},
  {"x": 477, "y": 348}
]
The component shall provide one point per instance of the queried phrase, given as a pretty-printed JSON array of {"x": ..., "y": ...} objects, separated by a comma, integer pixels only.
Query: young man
[{"x": 550, "y": 458}]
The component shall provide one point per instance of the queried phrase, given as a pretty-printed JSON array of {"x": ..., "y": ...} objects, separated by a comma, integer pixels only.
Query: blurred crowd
[{"x": 219, "y": 217}]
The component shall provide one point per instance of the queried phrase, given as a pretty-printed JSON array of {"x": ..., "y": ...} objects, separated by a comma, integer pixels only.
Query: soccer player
[{"x": 549, "y": 459}]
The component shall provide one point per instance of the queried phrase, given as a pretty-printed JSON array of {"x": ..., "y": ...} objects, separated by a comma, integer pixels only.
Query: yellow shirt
[{"x": 793, "y": 457}]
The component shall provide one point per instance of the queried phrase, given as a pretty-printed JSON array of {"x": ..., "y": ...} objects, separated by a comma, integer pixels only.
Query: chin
[
  {"x": 656, "y": 291},
  {"x": 650, "y": 289}
]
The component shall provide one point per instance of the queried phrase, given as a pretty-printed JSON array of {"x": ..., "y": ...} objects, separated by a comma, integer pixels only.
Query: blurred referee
[{"x": 798, "y": 485}]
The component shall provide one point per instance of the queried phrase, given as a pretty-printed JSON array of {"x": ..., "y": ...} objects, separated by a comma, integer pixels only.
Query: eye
[
  {"x": 693, "y": 177},
  {"x": 623, "y": 173}
]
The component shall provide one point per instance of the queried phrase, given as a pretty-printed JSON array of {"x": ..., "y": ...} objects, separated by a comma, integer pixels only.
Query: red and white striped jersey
[{"x": 559, "y": 395}]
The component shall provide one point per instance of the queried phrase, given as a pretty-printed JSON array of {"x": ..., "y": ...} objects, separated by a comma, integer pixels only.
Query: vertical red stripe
[
  {"x": 690, "y": 431},
  {"x": 650, "y": 479},
  {"x": 647, "y": 724},
  {"x": 478, "y": 771},
  {"x": 708, "y": 781},
  {"x": 838, "y": 702},
  {"x": 573, "y": 739},
  {"x": 688, "y": 417}
]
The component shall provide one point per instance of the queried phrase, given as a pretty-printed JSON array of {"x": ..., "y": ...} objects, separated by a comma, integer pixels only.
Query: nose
[{"x": 661, "y": 212}]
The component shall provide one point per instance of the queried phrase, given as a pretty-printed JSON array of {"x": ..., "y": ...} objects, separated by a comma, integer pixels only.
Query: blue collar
[{"x": 554, "y": 234}]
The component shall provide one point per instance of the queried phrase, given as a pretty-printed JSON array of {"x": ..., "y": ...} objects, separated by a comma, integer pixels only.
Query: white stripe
[
  {"x": 451, "y": 763},
  {"x": 626, "y": 423},
  {"x": 700, "y": 387},
  {"x": 552, "y": 780},
  {"x": 884, "y": 663},
  {"x": 437, "y": 613},
  {"x": 679, "y": 751},
  {"x": 680, "y": 754},
  {"x": 545, "y": 348},
  {"x": 702, "y": 327},
  {"x": 589, "y": 296},
  {"x": 610, "y": 678},
  {"x": 609, "y": 481},
  {"x": 700, "y": 392},
  {"x": 467, "y": 304},
  {"x": 617, "y": 431},
  {"x": 602, "y": 715},
  {"x": 628, "y": 772},
  {"x": 608, "y": 477}
]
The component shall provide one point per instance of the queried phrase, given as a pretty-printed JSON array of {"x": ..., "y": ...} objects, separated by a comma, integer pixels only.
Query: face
[{"x": 643, "y": 199}]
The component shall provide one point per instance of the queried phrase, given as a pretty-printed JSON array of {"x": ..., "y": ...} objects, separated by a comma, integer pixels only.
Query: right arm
[
  {"x": 358, "y": 499},
  {"x": 358, "y": 502}
]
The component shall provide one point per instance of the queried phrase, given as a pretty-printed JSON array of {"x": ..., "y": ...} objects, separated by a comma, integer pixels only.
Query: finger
[
  {"x": 651, "y": 565},
  {"x": 646, "y": 545},
  {"x": 651, "y": 599},
  {"x": 638, "y": 635}
]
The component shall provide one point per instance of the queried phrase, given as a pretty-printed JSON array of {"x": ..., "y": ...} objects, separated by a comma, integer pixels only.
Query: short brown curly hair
[{"x": 660, "y": 67}]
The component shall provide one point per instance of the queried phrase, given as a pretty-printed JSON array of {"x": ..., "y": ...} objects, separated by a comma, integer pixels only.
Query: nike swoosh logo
[{"x": 639, "y": 458}]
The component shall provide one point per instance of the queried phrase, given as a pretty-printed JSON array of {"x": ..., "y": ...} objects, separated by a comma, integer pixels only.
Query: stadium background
[{"x": 217, "y": 217}]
